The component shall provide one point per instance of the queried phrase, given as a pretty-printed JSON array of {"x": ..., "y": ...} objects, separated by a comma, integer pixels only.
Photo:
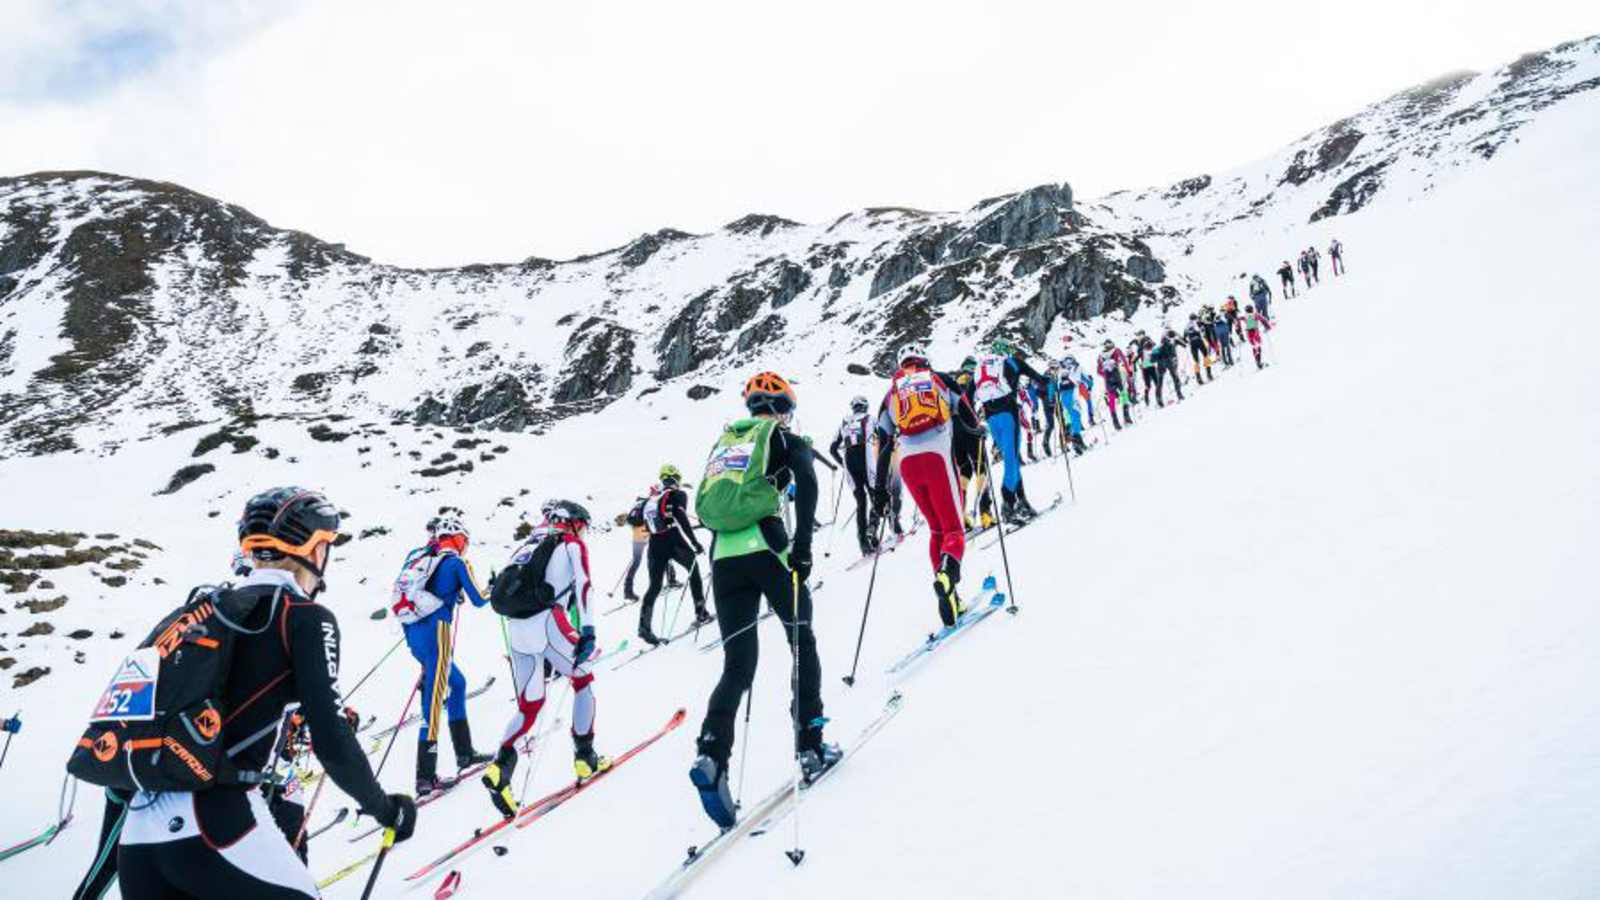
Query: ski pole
[
  {"x": 1066, "y": 457},
  {"x": 351, "y": 693},
  {"x": 404, "y": 711},
  {"x": 797, "y": 854},
  {"x": 744, "y": 749},
  {"x": 538, "y": 748},
  {"x": 1004, "y": 559},
  {"x": 11, "y": 727},
  {"x": 311, "y": 807},
  {"x": 877, "y": 554},
  {"x": 377, "y": 865},
  {"x": 694, "y": 568}
]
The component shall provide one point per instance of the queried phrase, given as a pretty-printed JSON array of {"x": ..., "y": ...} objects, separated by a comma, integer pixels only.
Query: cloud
[{"x": 426, "y": 133}]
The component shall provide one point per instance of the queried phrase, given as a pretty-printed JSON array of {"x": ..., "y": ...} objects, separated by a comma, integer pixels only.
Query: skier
[
  {"x": 1223, "y": 334},
  {"x": 1260, "y": 293},
  {"x": 1165, "y": 355},
  {"x": 206, "y": 843},
  {"x": 1196, "y": 340},
  {"x": 430, "y": 586},
  {"x": 1067, "y": 394},
  {"x": 1050, "y": 398},
  {"x": 1254, "y": 323},
  {"x": 672, "y": 540},
  {"x": 1147, "y": 364},
  {"x": 1028, "y": 416},
  {"x": 918, "y": 415},
  {"x": 1130, "y": 364},
  {"x": 1286, "y": 275},
  {"x": 1230, "y": 311},
  {"x": 1314, "y": 259},
  {"x": 965, "y": 448},
  {"x": 1305, "y": 269},
  {"x": 553, "y": 570},
  {"x": 999, "y": 374},
  {"x": 1110, "y": 368},
  {"x": 852, "y": 437},
  {"x": 641, "y": 539},
  {"x": 1335, "y": 256},
  {"x": 752, "y": 464}
]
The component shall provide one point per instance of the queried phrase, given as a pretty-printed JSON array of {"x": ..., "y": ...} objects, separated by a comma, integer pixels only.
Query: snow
[{"x": 1321, "y": 630}]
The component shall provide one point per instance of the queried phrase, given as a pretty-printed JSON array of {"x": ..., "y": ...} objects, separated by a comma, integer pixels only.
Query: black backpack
[
  {"x": 158, "y": 726},
  {"x": 520, "y": 591},
  {"x": 636, "y": 515}
]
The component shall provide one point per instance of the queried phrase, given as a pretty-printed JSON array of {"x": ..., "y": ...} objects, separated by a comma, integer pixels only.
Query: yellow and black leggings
[{"x": 443, "y": 685}]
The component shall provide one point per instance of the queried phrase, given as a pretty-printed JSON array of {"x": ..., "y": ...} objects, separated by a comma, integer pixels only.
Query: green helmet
[
  {"x": 669, "y": 472},
  {"x": 1001, "y": 346},
  {"x": 968, "y": 364}
]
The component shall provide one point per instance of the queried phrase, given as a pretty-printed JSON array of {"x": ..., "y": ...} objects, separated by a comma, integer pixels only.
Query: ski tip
[
  {"x": 990, "y": 584},
  {"x": 999, "y": 599}
]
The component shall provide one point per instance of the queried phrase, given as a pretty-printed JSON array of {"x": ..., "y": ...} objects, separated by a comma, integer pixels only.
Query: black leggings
[
  {"x": 855, "y": 464},
  {"x": 1165, "y": 368},
  {"x": 740, "y": 582},
  {"x": 666, "y": 548}
]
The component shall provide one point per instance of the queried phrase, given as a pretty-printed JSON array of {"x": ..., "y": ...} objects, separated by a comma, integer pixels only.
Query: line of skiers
[
  {"x": 934, "y": 435},
  {"x": 1309, "y": 264}
]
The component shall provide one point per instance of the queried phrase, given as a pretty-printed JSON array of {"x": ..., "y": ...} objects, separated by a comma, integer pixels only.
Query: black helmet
[
  {"x": 289, "y": 523},
  {"x": 566, "y": 512}
]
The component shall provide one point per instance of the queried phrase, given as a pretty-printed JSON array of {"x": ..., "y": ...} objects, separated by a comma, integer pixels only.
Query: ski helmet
[
  {"x": 1110, "y": 345},
  {"x": 289, "y": 523},
  {"x": 912, "y": 352},
  {"x": 769, "y": 392},
  {"x": 670, "y": 474},
  {"x": 858, "y": 404},
  {"x": 546, "y": 507},
  {"x": 569, "y": 514},
  {"x": 1001, "y": 346},
  {"x": 969, "y": 364},
  {"x": 449, "y": 532}
]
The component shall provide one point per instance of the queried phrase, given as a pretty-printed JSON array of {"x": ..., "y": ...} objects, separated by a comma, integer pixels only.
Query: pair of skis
[
  {"x": 989, "y": 601},
  {"x": 766, "y": 813},
  {"x": 1014, "y": 528},
  {"x": 536, "y": 810},
  {"x": 378, "y": 738}
]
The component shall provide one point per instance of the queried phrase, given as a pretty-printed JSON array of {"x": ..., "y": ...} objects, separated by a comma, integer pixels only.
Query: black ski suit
[
  {"x": 1166, "y": 357},
  {"x": 177, "y": 846},
  {"x": 672, "y": 540},
  {"x": 852, "y": 437},
  {"x": 740, "y": 582}
]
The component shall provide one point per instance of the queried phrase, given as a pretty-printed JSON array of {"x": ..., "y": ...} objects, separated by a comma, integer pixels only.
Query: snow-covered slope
[{"x": 1319, "y": 631}]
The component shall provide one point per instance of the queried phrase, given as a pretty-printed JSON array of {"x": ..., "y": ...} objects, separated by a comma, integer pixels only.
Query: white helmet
[
  {"x": 913, "y": 351},
  {"x": 446, "y": 525},
  {"x": 858, "y": 403}
]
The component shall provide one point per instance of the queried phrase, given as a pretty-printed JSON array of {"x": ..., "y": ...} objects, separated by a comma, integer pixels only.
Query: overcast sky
[{"x": 445, "y": 133}]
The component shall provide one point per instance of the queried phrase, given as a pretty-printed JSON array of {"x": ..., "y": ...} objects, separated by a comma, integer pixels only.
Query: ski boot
[
  {"x": 586, "y": 764},
  {"x": 497, "y": 778},
  {"x": 461, "y": 740},
  {"x": 986, "y": 519},
  {"x": 819, "y": 759},
  {"x": 710, "y": 778},
  {"x": 703, "y": 617},
  {"x": 628, "y": 594},
  {"x": 649, "y": 637},
  {"x": 428, "y": 781},
  {"x": 944, "y": 590}
]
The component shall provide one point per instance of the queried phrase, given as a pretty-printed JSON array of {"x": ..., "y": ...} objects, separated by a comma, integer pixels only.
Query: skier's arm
[
  {"x": 312, "y": 636},
  {"x": 469, "y": 581},
  {"x": 678, "y": 508},
  {"x": 799, "y": 457},
  {"x": 1024, "y": 369},
  {"x": 880, "y": 468},
  {"x": 578, "y": 559},
  {"x": 838, "y": 439}
]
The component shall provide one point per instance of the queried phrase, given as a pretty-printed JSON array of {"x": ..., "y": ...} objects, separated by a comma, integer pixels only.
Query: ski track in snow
[{"x": 1322, "y": 631}]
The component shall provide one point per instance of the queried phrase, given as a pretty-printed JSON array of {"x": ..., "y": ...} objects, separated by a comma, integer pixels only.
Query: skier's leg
[
  {"x": 657, "y": 555},
  {"x": 103, "y": 869},
  {"x": 779, "y": 590},
  {"x": 737, "y": 596},
  {"x": 633, "y": 566}
]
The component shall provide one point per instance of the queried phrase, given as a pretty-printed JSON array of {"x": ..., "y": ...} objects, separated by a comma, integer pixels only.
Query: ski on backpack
[
  {"x": 538, "y": 808},
  {"x": 762, "y": 815}
]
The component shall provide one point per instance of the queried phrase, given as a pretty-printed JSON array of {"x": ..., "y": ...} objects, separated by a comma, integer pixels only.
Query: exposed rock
[
  {"x": 20, "y": 538},
  {"x": 763, "y": 332},
  {"x": 37, "y": 629},
  {"x": 28, "y": 676},
  {"x": 185, "y": 476},
  {"x": 680, "y": 348},
  {"x": 599, "y": 360},
  {"x": 114, "y": 580},
  {"x": 1031, "y": 216},
  {"x": 374, "y": 531},
  {"x": 79, "y": 634},
  {"x": 1146, "y": 268},
  {"x": 522, "y": 531},
  {"x": 1330, "y": 155},
  {"x": 503, "y": 404},
  {"x": 1187, "y": 187},
  {"x": 760, "y": 225},
  {"x": 321, "y": 432},
  {"x": 645, "y": 246},
  {"x": 310, "y": 382},
  {"x": 1353, "y": 193},
  {"x": 701, "y": 391},
  {"x": 42, "y": 606}
]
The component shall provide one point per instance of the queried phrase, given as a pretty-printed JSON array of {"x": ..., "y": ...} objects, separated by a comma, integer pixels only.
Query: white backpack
[
  {"x": 991, "y": 379},
  {"x": 410, "y": 600}
]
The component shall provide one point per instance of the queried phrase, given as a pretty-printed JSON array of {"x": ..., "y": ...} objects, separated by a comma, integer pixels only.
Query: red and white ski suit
[
  {"x": 926, "y": 468},
  {"x": 549, "y": 636}
]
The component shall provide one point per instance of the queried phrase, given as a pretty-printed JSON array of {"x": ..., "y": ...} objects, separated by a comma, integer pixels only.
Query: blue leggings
[
  {"x": 1003, "y": 430},
  {"x": 429, "y": 642}
]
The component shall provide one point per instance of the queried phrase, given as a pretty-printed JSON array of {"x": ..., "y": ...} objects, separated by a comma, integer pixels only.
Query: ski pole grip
[{"x": 388, "y": 838}]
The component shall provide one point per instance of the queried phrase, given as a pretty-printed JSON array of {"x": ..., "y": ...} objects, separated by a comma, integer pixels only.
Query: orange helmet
[{"x": 769, "y": 392}]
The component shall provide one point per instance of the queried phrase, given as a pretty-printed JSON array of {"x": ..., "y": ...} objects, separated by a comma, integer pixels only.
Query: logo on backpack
[{"x": 918, "y": 401}]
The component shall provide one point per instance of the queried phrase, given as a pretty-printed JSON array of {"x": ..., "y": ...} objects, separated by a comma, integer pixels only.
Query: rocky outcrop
[
  {"x": 679, "y": 350},
  {"x": 1352, "y": 193},
  {"x": 1330, "y": 155},
  {"x": 765, "y": 331},
  {"x": 1026, "y": 218},
  {"x": 1146, "y": 268},
  {"x": 760, "y": 225},
  {"x": 1187, "y": 187},
  {"x": 502, "y": 403},
  {"x": 599, "y": 362},
  {"x": 645, "y": 246}
]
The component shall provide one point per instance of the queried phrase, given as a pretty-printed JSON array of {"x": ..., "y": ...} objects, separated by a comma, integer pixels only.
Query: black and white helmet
[
  {"x": 446, "y": 525},
  {"x": 566, "y": 512},
  {"x": 858, "y": 404},
  {"x": 913, "y": 351}
]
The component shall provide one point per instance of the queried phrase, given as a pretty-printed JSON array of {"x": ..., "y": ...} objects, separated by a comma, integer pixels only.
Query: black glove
[
  {"x": 800, "y": 563},
  {"x": 585, "y": 647},
  {"x": 401, "y": 816}
]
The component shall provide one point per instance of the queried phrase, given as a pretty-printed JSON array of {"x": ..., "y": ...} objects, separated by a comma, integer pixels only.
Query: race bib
[
  {"x": 730, "y": 460},
  {"x": 131, "y": 696}
]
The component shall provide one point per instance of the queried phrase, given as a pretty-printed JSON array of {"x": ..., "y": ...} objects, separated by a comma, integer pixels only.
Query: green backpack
[{"x": 735, "y": 493}]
